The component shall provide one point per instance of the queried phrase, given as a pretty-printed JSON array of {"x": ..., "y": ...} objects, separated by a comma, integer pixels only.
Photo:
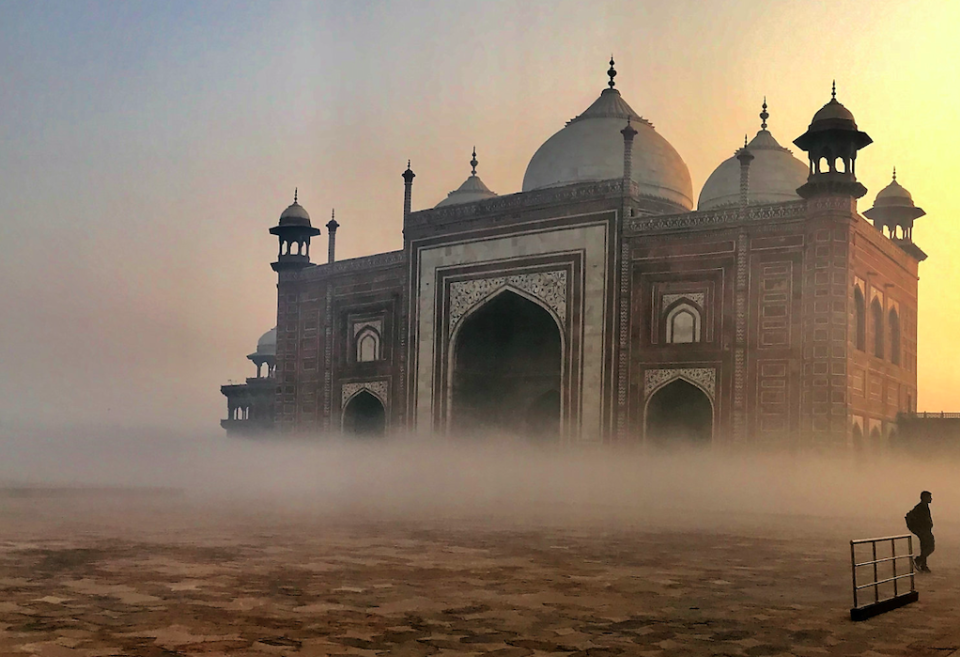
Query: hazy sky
[{"x": 146, "y": 148}]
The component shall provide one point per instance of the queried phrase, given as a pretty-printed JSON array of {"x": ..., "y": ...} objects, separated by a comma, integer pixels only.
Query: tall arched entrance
[
  {"x": 364, "y": 416},
  {"x": 679, "y": 414},
  {"x": 507, "y": 369}
]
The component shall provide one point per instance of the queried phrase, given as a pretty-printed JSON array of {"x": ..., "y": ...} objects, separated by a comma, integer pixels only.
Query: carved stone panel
[
  {"x": 704, "y": 377},
  {"x": 550, "y": 287},
  {"x": 696, "y": 297},
  {"x": 376, "y": 388}
]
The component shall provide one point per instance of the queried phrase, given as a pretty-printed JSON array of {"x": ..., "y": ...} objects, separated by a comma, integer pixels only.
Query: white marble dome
[
  {"x": 267, "y": 344},
  {"x": 590, "y": 148},
  {"x": 775, "y": 174}
]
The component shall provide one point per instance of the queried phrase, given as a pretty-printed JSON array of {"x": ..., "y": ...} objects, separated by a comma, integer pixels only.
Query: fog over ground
[{"x": 496, "y": 483}]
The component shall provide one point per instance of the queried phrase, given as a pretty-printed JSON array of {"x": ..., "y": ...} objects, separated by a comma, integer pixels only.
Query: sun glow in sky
[{"x": 146, "y": 148}]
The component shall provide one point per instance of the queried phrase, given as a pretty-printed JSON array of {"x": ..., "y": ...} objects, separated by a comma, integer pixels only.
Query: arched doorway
[
  {"x": 364, "y": 416},
  {"x": 506, "y": 370},
  {"x": 679, "y": 414},
  {"x": 857, "y": 438}
]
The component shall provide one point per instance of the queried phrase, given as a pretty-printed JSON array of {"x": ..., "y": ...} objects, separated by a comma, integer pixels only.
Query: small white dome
[
  {"x": 774, "y": 176},
  {"x": 590, "y": 148},
  {"x": 267, "y": 344},
  {"x": 471, "y": 190}
]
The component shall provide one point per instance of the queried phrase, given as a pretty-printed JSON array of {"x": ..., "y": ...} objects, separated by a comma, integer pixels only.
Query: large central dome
[{"x": 590, "y": 148}]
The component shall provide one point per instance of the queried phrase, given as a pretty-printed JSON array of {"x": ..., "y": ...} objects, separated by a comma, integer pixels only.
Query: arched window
[
  {"x": 894, "y": 322},
  {"x": 368, "y": 346},
  {"x": 860, "y": 320},
  {"x": 683, "y": 324},
  {"x": 877, "y": 311}
]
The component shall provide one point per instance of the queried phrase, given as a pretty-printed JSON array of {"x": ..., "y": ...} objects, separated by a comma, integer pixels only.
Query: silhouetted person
[{"x": 920, "y": 522}]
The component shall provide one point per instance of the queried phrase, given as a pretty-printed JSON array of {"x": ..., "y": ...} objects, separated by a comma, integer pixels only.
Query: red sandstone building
[{"x": 597, "y": 306}]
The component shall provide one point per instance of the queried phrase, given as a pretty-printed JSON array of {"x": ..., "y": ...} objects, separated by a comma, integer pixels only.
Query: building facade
[{"x": 596, "y": 305}]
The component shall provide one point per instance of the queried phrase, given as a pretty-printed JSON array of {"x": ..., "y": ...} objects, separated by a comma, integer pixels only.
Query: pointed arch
[
  {"x": 496, "y": 293},
  {"x": 893, "y": 321},
  {"x": 367, "y": 345},
  {"x": 876, "y": 312},
  {"x": 680, "y": 410},
  {"x": 364, "y": 414},
  {"x": 683, "y": 322},
  {"x": 506, "y": 366},
  {"x": 860, "y": 319}
]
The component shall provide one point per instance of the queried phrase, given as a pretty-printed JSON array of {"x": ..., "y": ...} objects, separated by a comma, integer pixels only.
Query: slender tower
[
  {"x": 332, "y": 227},
  {"x": 408, "y": 177}
]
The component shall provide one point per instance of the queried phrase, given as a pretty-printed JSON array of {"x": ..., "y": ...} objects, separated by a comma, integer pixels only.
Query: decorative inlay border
[
  {"x": 623, "y": 337},
  {"x": 363, "y": 263},
  {"x": 327, "y": 359},
  {"x": 720, "y": 217},
  {"x": 376, "y": 388},
  {"x": 549, "y": 287},
  {"x": 704, "y": 377}
]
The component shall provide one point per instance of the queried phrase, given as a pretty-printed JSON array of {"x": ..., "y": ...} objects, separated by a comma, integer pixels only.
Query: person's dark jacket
[{"x": 919, "y": 520}]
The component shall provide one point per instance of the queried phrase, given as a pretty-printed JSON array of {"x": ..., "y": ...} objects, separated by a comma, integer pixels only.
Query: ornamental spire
[
  {"x": 833, "y": 91},
  {"x": 894, "y": 174},
  {"x": 294, "y": 195},
  {"x": 473, "y": 162},
  {"x": 612, "y": 72},
  {"x": 764, "y": 115}
]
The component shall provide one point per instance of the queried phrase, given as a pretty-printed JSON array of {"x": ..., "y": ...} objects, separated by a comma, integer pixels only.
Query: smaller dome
[
  {"x": 267, "y": 344},
  {"x": 295, "y": 214},
  {"x": 833, "y": 115},
  {"x": 894, "y": 194},
  {"x": 774, "y": 174},
  {"x": 834, "y": 110},
  {"x": 471, "y": 190}
]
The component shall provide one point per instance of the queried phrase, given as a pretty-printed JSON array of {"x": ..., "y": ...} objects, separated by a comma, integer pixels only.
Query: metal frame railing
[
  {"x": 877, "y": 606},
  {"x": 931, "y": 415}
]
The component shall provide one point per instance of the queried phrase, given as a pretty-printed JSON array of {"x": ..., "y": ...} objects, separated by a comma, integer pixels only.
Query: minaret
[
  {"x": 629, "y": 132},
  {"x": 832, "y": 142},
  {"x": 408, "y": 177},
  {"x": 744, "y": 156},
  {"x": 293, "y": 231},
  {"x": 332, "y": 227}
]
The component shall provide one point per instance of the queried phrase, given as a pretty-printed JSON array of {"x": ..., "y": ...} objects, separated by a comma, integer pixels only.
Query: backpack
[{"x": 911, "y": 519}]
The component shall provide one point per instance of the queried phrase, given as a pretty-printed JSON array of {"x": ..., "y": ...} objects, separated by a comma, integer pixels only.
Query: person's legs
[
  {"x": 927, "y": 546},
  {"x": 918, "y": 560}
]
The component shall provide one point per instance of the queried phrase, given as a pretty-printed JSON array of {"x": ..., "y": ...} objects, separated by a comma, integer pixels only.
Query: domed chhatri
[
  {"x": 895, "y": 211},
  {"x": 471, "y": 190},
  {"x": 293, "y": 233},
  {"x": 265, "y": 357},
  {"x": 775, "y": 174},
  {"x": 590, "y": 148},
  {"x": 831, "y": 142}
]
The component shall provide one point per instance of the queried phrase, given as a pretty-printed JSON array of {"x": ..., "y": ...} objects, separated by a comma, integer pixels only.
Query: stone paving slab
[{"x": 82, "y": 579}]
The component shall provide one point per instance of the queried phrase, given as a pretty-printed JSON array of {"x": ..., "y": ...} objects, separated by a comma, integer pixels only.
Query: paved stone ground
[{"x": 85, "y": 575}]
